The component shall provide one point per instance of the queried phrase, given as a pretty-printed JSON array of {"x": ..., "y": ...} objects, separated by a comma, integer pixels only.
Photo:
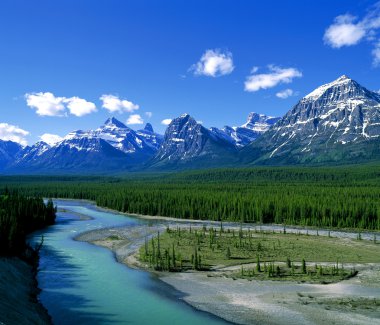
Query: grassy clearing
[
  {"x": 301, "y": 273},
  {"x": 113, "y": 237},
  {"x": 260, "y": 254}
]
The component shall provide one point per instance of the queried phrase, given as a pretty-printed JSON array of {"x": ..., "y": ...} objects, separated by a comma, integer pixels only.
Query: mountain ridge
[
  {"x": 337, "y": 122},
  {"x": 340, "y": 113},
  {"x": 186, "y": 140}
]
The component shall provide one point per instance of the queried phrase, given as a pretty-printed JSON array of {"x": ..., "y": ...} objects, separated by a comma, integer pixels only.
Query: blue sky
[{"x": 154, "y": 60}]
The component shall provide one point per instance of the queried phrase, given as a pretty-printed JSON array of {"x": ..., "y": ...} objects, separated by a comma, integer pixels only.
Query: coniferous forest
[
  {"x": 343, "y": 197},
  {"x": 19, "y": 216}
]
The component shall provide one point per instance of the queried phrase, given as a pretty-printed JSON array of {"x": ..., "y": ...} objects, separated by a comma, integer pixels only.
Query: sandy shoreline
[
  {"x": 18, "y": 292},
  {"x": 253, "y": 302},
  {"x": 266, "y": 302}
]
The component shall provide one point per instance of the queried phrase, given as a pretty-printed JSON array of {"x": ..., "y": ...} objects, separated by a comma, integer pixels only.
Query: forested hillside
[
  {"x": 344, "y": 197},
  {"x": 19, "y": 216}
]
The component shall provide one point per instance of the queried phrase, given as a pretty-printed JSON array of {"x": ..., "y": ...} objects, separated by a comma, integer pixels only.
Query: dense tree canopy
[
  {"x": 19, "y": 216},
  {"x": 344, "y": 197}
]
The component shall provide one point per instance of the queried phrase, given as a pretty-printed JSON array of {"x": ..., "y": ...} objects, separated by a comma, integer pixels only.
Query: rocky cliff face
[
  {"x": 151, "y": 138},
  {"x": 186, "y": 141},
  {"x": 8, "y": 152},
  {"x": 338, "y": 114},
  {"x": 256, "y": 125}
]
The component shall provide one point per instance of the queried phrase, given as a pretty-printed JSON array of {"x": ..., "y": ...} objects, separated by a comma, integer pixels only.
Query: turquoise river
[{"x": 83, "y": 284}]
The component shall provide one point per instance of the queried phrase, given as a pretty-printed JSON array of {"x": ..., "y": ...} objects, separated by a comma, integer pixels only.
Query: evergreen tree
[
  {"x": 195, "y": 266},
  {"x": 288, "y": 262},
  {"x": 173, "y": 257},
  {"x": 228, "y": 253},
  {"x": 258, "y": 267},
  {"x": 303, "y": 267}
]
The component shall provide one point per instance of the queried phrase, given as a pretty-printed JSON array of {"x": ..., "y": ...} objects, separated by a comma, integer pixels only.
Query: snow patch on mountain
[
  {"x": 256, "y": 125},
  {"x": 341, "y": 111},
  {"x": 315, "y": 94},
  {"x": 186, "y": 139}
]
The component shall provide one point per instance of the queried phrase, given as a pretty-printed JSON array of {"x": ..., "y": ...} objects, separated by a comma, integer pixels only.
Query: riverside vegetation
[
  {"x": 341, "y": 197},
  {"x": 19, "y": 216},
  {"x": 260, "y": 254}
]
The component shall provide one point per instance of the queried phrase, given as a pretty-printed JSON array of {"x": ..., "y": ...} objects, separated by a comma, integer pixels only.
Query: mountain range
[{"x": 337, "y": 123}]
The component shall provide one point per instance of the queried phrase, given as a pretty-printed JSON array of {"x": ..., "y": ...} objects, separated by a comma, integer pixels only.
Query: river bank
[
  {"x": 18, "y": 291},
  {"x": 253, "y": 302},
  {"x": 83, "y": 284}
]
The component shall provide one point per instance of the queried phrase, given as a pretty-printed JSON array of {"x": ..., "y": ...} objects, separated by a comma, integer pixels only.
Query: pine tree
[
  {"x": 288, "y": 262},
  {"x": 258, "y": 267},
  {"x": 303, "y": 268},
  {"x": 173, "y": 257},
  {"x": 195, "y": 258},
  {"x": 228, "y": 253}
]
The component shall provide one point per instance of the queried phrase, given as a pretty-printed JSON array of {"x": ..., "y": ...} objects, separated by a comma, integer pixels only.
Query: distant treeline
[
  {"x": 19, "y": 216},
  {"x": 343, "y": 197}
]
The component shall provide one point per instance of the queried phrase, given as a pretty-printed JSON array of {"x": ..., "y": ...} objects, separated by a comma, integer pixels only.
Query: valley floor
[
  {"x": 18, "y": 294},
  {"x": 353, "y": 301}
]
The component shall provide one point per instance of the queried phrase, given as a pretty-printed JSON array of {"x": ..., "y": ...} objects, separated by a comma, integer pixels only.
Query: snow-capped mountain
[
  {"x": 112, "y": 147},
  {"x": 151, "y": 138},
  {"x": 325, "y": 123},
  {"x": 256, "y": 125},
  {"x": 31, "y": 153},
  {"x": 8, "y": 152},
  {"x": 74, "y": 155},
  {"x": 120, "y": 137},
  {"x": 187, "y": 142},
  {"x": 337, "y": 122}
]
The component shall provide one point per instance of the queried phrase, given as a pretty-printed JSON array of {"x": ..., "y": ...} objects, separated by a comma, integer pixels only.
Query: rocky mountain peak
[
  {"x": 337, "y": 113},
  {"x": 148, "y": 127},
  {"x": 340, "y": 89},
  {"x": 180, "y": 126},
  {"x": 343, "y": 78},
  {"x": 259, "y": 122},
  {"x": 254, "y": 117},
  {"x": 114, "y": 122},
  {"x": 186, "y": 139}
]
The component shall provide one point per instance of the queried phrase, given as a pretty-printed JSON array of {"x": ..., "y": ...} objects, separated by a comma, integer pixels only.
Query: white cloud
[
  {"x": 149, "y": 114},
  {"x": 46, "y": 104},
  {"x": 372, "y": 20},
  {"x": 348, "y": 30},
  {"x": 214, "y": 63},
  {"x": 344, "y": 32},
  {"x": 115, "y": 104},
  {"x": 166, "y": 121},
  {"x": 376, "y": 55},
  {"x": 50, "y": 139},
  {"x": 285, "y": 93},
  {"x": 135, "y": 119},
  {"x": 275, "y": 76},
  {"x": 13, "y": 133},
  {"x": 254, "y": 69},
  {"x": 79, "y": 107}
]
